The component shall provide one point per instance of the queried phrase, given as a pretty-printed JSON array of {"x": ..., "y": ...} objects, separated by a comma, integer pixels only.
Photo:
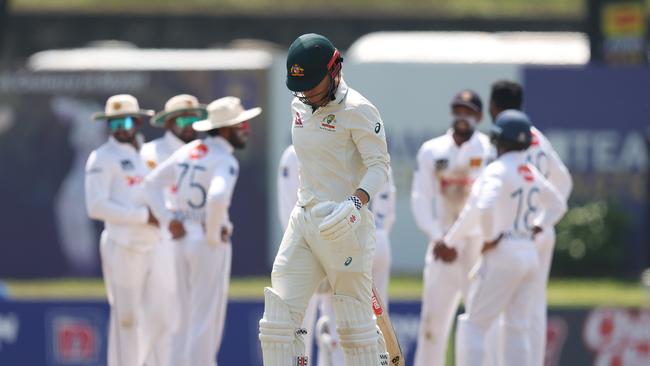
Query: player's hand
[
  {"x": 536, "y": 230},
  {"x": 344, "y": 217},
  {"x": 490, "y": 245},
  {"x": 225, "y": 234},
  {"x": 177, "y": 229},
  {"x": 152, "y": 220},
  {"x": 443, "y": 252}
]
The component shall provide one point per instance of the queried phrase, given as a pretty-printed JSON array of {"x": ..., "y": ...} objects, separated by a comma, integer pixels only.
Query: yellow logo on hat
[
  {"x": 296, "y": 70},
  {"x": 117, "y": 106}
]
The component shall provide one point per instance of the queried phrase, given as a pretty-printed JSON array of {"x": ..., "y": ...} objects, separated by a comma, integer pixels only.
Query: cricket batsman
[
  {"x": 340, "y": 142},
  {"x": 204, "y": 173},
  {"x": 383, "y": 210},
  {"x": 509, "y": 95},
  {"x": 512, "y": 203},
  {"x": 115, "y": 194},
  {"x": 447, "y": 166},
  {"x": 168, "y": 272}
]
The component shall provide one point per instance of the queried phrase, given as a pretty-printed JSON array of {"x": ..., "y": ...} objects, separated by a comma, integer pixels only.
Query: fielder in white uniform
[
  {"x": 383, "y": 209},
  {"x": 115, "y": 194},
  {"x": 509, "y": 95},
  {"x": 447, "y": 166},
  {"x": 204, "y": 173},
  {"x": 340, "y": 142},
  {"x": 171, "y": 305},
  {"x": 511, "y": 202}
]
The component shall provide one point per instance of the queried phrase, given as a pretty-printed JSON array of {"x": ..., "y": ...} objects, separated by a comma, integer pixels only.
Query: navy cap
[
  {"x": 514, "y": 126},
  {"x": 468, "y": 98},
  {"x": 309, "y": 59}
]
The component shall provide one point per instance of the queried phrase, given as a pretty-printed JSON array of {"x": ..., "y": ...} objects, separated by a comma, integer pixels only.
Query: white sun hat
[
  {"x": 178, "y": 105},
  {"x": 122, "y": 105},
  {"x": 226, "y": 112}
]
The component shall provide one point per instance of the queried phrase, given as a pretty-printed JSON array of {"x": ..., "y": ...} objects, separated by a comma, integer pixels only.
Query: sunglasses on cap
[
  {"x": 184, "y": 121},
  {"x": 125, "y": 123}
]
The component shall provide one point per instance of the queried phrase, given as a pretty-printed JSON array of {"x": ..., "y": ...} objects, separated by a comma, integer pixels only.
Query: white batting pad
[
  {"x": 281, "y": 339},
  {"x": 357, "y": 331}
]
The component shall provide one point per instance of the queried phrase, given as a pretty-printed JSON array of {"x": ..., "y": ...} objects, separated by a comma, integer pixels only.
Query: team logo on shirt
[
  {"x": 526, "y": 173},
  {"x": 297, "y": 122},
  {"x": 198, "y": 152},
  {"x": 134, "y": 180},
  {"x": 441, "y": 164},
  {"x": 475, "y": 162},
  {"x": 127, "y": 164},
  {"x": 328, "y": 123}
]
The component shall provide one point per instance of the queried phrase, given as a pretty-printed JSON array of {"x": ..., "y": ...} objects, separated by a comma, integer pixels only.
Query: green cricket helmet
[{"x": 311, "y": 57}]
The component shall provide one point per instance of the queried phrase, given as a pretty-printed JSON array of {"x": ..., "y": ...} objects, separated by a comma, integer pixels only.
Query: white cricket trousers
[
  {"x": 545, "y": 243},
  {"x": 163, "y": 301},
  {"x": 501, "y": 284},
  {"x": 304, "y": 259},
  {"x": 203, "y": 273},
  {"x": 444, "y": 284},
  {"x": 125, "y": 277}
]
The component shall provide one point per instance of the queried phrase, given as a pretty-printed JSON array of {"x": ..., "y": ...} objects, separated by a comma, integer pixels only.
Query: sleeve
[
  {"x": 98, "y": 201},
  {"x": 368, "y": 134},
  {"x": 467, "y": 220},
  {"x": 554, "y": 203},
  {"x": 160, "y": 179},
  {"x": 218, "y": 201},
  {"x": 423, "y": 192},
  {"x": 288, "y": 182},
  {"x": 558, "y": 174},
  {"x": 488, "y": 195},
  {"x": 383, "y": 206},
  {"x": 148, "y": 155}
]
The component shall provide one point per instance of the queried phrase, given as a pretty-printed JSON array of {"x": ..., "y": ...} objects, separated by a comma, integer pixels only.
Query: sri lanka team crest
[
  {"x": 198, "y": 152},
  {"x": 328, "y": 123},
  {"x": 296, "y": 70}
]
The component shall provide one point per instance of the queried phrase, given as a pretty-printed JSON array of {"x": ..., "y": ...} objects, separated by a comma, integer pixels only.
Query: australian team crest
[
  {"x": 328, "y": 123},
  {"x": 296, "y": 70}
]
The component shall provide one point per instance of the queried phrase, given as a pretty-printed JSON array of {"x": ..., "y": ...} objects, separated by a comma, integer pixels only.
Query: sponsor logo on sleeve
[{"x": 198, "y": 152}]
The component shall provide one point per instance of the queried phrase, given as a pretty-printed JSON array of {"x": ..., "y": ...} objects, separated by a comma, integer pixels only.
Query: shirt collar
[
  {"x": 513, "y": 156},
  {"x": 173, "y": 140},
  {"x": 220, "y": 142},
  {"x": 341, "y": 92}
]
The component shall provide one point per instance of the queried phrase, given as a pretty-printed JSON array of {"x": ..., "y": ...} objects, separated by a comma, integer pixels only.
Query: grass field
[{"x": 561, "y": 292}]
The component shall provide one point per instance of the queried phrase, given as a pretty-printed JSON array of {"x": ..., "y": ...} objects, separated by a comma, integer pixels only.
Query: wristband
[{"x": 356, "y": 201}]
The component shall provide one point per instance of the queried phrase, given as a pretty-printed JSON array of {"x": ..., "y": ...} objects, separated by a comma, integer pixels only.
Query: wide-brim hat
[
  {"x": 178, "y": 105},
  {"x": 226, "y": 112},
  {"x": 122, "y": 105}
]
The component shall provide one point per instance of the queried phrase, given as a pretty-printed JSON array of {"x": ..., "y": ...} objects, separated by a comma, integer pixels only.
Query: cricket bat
[{"x": 386, "y": 327}]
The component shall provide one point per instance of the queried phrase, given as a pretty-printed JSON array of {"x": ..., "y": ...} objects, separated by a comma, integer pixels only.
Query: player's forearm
[
  {"x": 156, "y": 200},
  {"x": 374, "y": 180},
  {"x": 105, "y": 210},
  {"x": 424, "y": 219}
]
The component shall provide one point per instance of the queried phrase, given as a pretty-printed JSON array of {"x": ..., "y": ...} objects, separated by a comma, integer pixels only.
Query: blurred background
[{"x": 583, "y": 65}]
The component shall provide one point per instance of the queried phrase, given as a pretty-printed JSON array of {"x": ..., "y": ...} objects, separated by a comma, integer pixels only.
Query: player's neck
[{"x": 460, "y": 139}]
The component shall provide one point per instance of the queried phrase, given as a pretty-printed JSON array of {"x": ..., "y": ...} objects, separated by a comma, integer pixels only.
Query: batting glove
[{"x": 343, "y": 219}]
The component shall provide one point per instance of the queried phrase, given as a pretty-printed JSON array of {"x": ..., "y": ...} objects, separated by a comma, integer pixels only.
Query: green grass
[
  {"x": 449, "y": 8},
  {"x": 561, "y": 292}
]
